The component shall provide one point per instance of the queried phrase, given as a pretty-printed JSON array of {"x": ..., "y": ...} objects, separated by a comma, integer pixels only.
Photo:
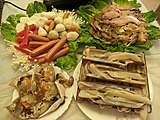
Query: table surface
[{"x": 7, "y": 73}]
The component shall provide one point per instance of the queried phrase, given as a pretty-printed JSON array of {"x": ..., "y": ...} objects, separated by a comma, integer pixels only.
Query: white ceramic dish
[
  {"x": 95, "y": 113},
  {"x": 60, "y": 110}
]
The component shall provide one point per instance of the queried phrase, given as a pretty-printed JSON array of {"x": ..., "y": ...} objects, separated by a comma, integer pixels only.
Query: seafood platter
[{"x": 94, "y": 54}]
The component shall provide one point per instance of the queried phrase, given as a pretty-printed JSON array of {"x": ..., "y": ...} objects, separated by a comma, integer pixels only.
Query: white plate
[
  {"x": 60, "y": 110},
  {"x": 95, "y": 113}
]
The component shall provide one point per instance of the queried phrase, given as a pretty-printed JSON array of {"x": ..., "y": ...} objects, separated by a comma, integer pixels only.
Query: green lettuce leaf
[
  {"x": 155, "y": 32},
  {"x": 14, "y": 19},
  {"x": 149, "y": 16},
  {"x": 70, "y": 60},
  {"x": 8, "y": 32},
  {"x": 121, "y": 2},
  {"x": 87, "y": 12},
  {"x": 36, "y": 7},
  {"x": 145, "y": 46},
  {"x": 134, "y": 4},
  {"x": 67, "y": 62},
  {"x": 100, "y": 4},
  {"x": 73, "y": 46}
]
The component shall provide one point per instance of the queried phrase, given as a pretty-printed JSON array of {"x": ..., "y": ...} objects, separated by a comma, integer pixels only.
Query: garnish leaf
[
  {"x": 14, "y": 19},
  {"x": 8, "y": 32},
  {"x": 36, "y": 7},
  {"x": 149, "y": 16},
  {"x": 155, "y": 32}
]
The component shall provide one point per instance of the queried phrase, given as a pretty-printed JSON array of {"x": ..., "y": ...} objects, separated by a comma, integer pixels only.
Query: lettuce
[
  {"x": 155, "y": 32},
  {"x": 67, "y": 62},
  {"x": 8, "y": 32},
  {"x": 149, "y": 16},
  {"x": 70, "y": 60},
  {"x": 36, "y": 7},
  {"x": 145, "y": 46},
  {"x": 134, "y": 4},
  {"x": 100, "y": 4},
  {"x": 121, "y": 2},
  {"x": 14, "y": 19},
  {"x": 87, "y": 12}
]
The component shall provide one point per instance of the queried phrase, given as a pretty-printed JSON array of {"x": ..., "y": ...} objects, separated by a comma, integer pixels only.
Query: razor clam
[
  {"x": 111, "y": 95},
  {"x": 123, "y": 109},
  {"x": 105, "y": 65},
  {"x": 114, "y": 74},
  {"x": 129, "y": 81},
  {"x": 111, "y": 56},
  {"x": 114, "y": 79}
]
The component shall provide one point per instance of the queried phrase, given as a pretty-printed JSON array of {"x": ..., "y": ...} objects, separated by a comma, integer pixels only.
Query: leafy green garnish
[
  {"x": 121, "y": 2},
  {"x": 36, "y": 7},
  {"x": 14, "y": 19},
  {"x": 87, "y": 12},
  {"x": 145, "y": 46},
  {"x": 8, "y": 32},
  {"x": 155, "y": 32},
  {"x": 70, "y": 60},
  {"x": 100, "y": 4},
  {"x": 134, "y": 4},
  {"x": 66, "y": 62},
  {"x": 149, "y": 16}
]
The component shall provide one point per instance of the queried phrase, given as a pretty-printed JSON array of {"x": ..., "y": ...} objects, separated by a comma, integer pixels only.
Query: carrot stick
[
  {"x": 31, "y": 27},
  {"x": 26, "y": 33},
  {"x": 25, "y": 51},
  {"x": 19, "y": 39}
]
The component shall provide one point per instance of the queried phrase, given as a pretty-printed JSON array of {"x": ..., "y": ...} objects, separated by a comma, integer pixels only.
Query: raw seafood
[{"x": 114, "y": 80}]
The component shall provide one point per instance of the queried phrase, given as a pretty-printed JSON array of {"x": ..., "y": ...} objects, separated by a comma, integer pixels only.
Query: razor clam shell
[
  {"x": 106, "y": 56},
  {"x": 144, "y": 113},
  {"x": 113, "y": 90},
  {"x": 94, "y": 91},
  {"x": 108, "y": 61},
  {"x": 123, "y": 109},
  {"x": 129, "y": 81},
  {"x": 106, "y": 69}
]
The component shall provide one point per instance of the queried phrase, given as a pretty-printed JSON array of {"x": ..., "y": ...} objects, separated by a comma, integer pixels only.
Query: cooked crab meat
[{"x": 40, "y": 93}]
